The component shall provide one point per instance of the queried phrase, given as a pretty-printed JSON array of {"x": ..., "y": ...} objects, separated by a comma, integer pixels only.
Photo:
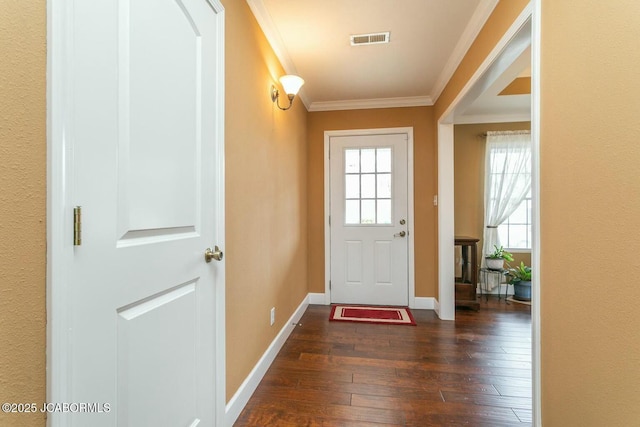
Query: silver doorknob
[
  {"x": 216, "y": 254},
  {"x": 400, "y": 234}
]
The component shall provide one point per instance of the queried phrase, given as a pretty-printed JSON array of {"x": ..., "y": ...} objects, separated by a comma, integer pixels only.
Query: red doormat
[{"x": 372, "y": 314}]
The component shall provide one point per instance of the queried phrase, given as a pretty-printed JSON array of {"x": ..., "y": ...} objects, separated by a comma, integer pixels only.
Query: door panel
[
  {"x": 152, "y": 335},
  {"x": 159, "y": 129},
  {"x": 382, "y": 260},
  {"x": 369, "y": 257}
]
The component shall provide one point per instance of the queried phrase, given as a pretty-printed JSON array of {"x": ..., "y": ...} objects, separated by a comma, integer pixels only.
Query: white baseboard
[
  {"x": 317, "y": 299},
  {"x": 241, "y": 397},
  {"x": 425, "y": 303}
]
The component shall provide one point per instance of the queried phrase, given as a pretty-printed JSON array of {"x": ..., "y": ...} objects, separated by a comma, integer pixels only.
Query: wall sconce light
[{"x": 291, "y": 85}]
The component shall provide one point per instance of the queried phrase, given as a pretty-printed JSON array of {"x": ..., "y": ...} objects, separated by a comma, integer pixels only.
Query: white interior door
[
  {"x": 143, "y": 148},
  {"x": 369, "y": 245}
]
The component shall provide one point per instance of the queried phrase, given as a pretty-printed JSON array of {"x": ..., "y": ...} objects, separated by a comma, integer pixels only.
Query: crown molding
[
  {"x": 471, "y": 31},
  {"x": 271, "y": 33},
  {"x": 365, "y": 104},
  {"x": 277, "y": 44}
]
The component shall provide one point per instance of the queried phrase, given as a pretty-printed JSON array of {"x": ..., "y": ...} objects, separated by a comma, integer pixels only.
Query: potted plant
[
  {"x": 520, "y": 278},
  {"x": 496, "y": 259}
]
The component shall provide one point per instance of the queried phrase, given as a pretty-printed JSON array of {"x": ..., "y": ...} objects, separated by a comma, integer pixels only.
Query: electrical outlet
[{"x": 273, "y": 315}]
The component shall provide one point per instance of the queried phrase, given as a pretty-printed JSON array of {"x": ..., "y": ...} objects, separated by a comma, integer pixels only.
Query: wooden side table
[{"x": 467, "y": 284}]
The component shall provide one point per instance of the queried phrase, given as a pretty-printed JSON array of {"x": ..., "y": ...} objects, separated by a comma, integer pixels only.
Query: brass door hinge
[{"x": 77, "y": 226}]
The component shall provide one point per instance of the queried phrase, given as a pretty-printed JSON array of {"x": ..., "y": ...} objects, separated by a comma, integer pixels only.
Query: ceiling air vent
[{"x": 373, "y": 38}]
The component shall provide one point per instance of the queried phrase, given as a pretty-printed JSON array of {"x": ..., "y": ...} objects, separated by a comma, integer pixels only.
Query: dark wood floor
[{"x": 475, "y": 371}]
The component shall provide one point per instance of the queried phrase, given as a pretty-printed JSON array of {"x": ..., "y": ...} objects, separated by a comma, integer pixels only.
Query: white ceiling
[{"x": 428, "y": 40}]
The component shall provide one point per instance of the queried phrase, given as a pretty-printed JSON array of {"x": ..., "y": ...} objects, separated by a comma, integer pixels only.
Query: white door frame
[
  {"x": 327, "y": 203},
  {"x": 446, "y": 278},
  {"x": 60, "y": 211},
  {"x": 507, "y": 50}
]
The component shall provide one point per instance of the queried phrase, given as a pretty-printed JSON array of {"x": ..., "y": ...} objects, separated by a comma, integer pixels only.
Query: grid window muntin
[
  {"x": 368, "y": 186},
  {"x": 516, "y": 232}
]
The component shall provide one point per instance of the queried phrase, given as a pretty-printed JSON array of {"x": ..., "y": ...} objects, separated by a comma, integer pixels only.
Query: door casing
[
  {"x": 446, "y": 304},
  {"x": 410, "y": 206}
]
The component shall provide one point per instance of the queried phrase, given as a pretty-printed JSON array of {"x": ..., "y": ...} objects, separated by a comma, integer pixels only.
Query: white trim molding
[
  {"x": 482, "y": 13},
  {"x": 317, "y": 299},
  {"x": 367, "y": 104},
  {"x": 516, "y": 35},
  {"x": 272, "y": 34},
  {"x": 424, "y": 303},
  {"x": 490, "y": 118},
  {"x": 243, "y": 394},
  {"x": 419, "y": 303},
  {"x": 508, "y": 48},
  {"x": 410, "y": 203},
  {"x": 537, "y": 244},
  {"x": 446, "y": 227}
]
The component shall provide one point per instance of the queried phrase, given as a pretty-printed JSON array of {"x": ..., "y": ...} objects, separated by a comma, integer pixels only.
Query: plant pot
[
  {"x": 522, "y": 290},
  {"x": 495, "y": 263}
]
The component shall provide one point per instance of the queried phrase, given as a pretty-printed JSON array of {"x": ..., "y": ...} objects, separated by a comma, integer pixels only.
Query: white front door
[
  {"x": 142, "y": 86},
  {"x": 369, "y": 245}
]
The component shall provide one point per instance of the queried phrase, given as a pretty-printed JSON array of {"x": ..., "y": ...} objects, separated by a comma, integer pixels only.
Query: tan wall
[
  {"x": 266, "y": 230},
  {"x": 22, "y": 207},
  {"x": 425, "y": 187},
  {"x": 469, "y": 156},
  {"x": 590, "y": 207}
]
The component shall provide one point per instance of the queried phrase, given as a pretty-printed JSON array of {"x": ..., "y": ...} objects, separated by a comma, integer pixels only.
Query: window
[
  {"x": 367, "y": 183},
  {"x": 508, "y": 190},
  {"x": 515, "y": 232}
]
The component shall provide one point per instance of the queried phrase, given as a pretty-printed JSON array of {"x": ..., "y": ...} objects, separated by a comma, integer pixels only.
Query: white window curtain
[{"x": 507, "y": 181}]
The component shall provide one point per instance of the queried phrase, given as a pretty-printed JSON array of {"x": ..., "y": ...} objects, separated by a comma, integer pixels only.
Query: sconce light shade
[{"x": 291, "y": 85}]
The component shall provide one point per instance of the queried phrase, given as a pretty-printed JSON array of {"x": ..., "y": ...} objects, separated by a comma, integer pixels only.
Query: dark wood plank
[
  {"x": 514, "y": 391},
  {"x": 484, "y": 400},
  {"x": 474, "y": 371},
  {"x": 446, "y": 414}
]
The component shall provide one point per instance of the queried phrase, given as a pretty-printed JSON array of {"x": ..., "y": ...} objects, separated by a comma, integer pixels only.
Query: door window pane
[
  {"x": 352, "y": 161},
  {"x": 352, "y": 186},
  {"x": 368, "y": 212},
  {"x": 352, "y": 212},
  {"x": 368, "y": 160},
  {"x": 368, "y": 186},
  {"x": 384, "y": 212},
  {"x": 383, "y": 160},
  {"x": 384, "y": 186}
]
